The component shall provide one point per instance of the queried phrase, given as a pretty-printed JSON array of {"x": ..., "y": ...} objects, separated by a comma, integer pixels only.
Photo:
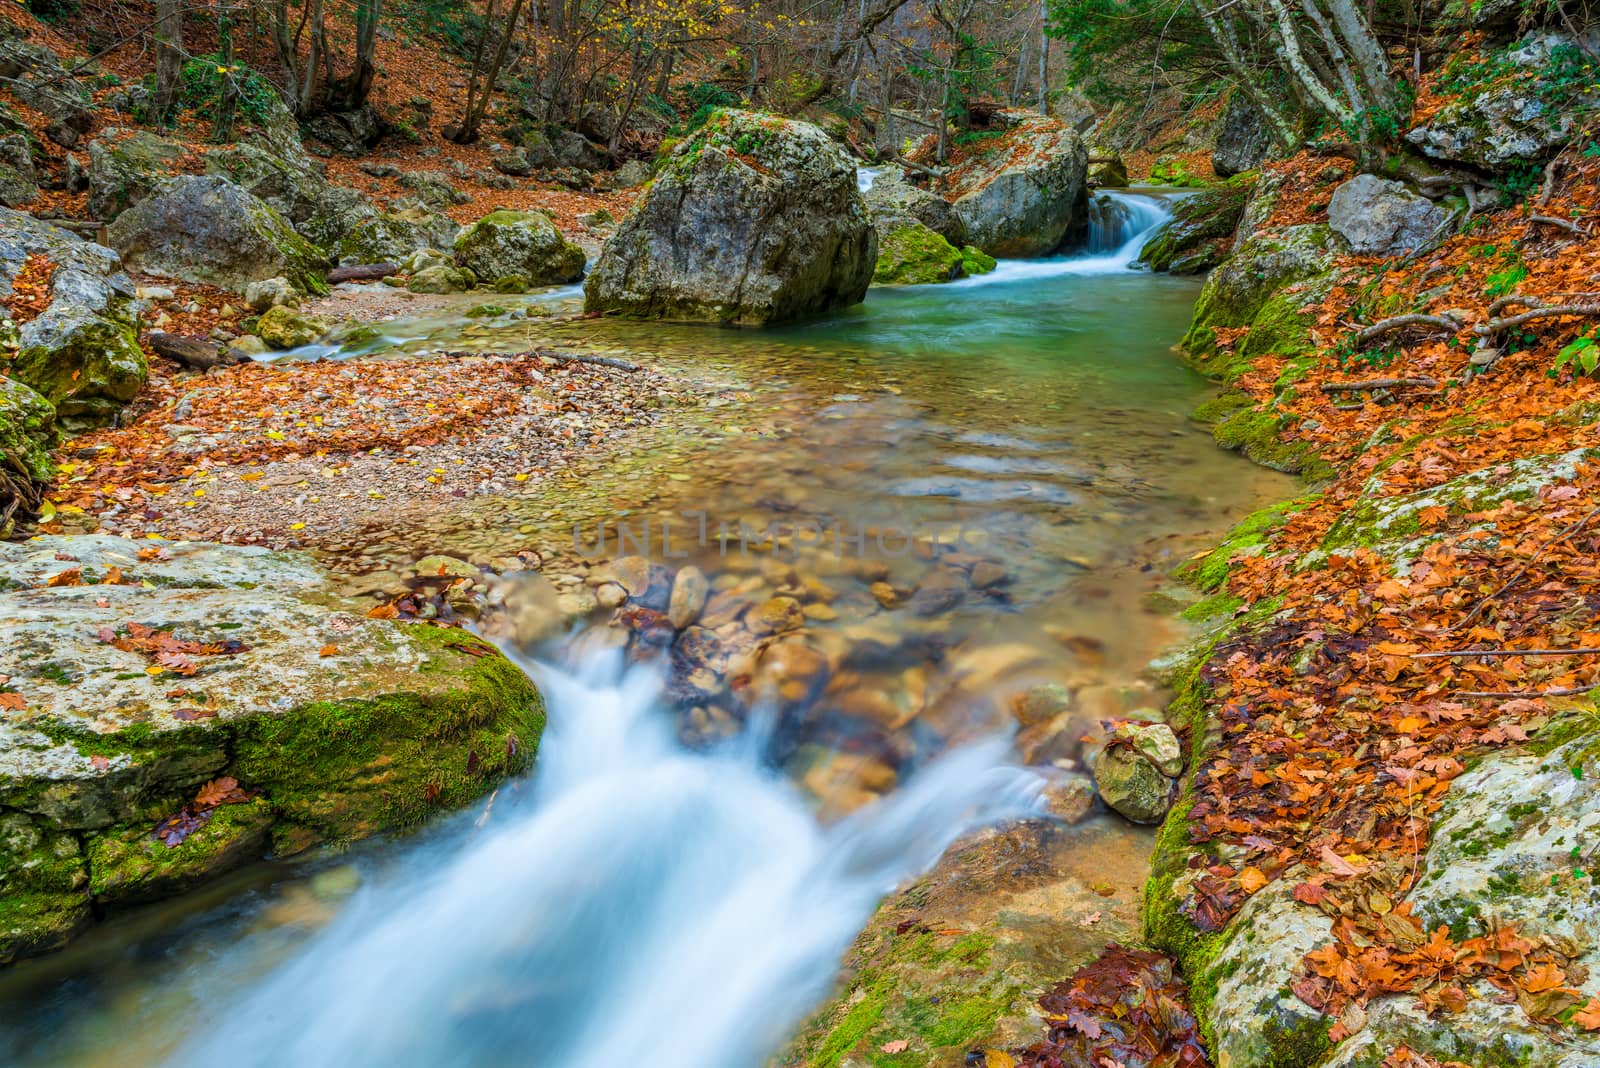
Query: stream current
[{"x": 688, "y": 904}]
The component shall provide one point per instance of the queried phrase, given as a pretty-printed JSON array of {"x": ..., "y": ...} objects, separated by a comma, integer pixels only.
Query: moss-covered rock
[
  {"x": 126, "y": 167},
  {"x": 27, "y": 432},
  {"x": 1261, "y": 267},
  {"x": 281, "y": 327},
  {"x": 130, "y": 864},
  {"x": 392, "y": 236},
  {"x": 206, "y": 229},
  {"x": 1201, "y": 230},
  {"x": 441, "y": 278},
  {"x": 525, "y": 244},
  {"x": 346, "y": 726},
  {"x": 912, "y": 255},
  {"x": 81, "y": 352},
  {"x": 975, "y": 261},
  {"x": 1175, "y": 171}
]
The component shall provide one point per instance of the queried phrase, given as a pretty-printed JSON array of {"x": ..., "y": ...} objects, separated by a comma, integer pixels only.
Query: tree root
[
  {"x": 1383, "y": 326},
  {"x": 1551, "y": 220},
  {"x": 1422, "y": 382}
]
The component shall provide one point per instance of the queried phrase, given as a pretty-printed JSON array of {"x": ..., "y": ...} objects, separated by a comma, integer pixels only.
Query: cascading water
[
  {"x": 1119, "y": 226},
  {"x": 642, "y": 901}
]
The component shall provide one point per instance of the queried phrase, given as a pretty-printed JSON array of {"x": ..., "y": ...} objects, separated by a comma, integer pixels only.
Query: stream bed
[{"x": 957, "y": 493}]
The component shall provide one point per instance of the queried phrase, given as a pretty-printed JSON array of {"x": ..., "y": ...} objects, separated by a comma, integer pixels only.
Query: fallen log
[
  {"x": 362, "y": 272},
  {"x": 192, "y": 352},
  {"x": 1422, "y": 382}
]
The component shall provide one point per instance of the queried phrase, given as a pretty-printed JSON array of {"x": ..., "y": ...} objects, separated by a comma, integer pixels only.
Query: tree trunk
[
  {"x": 1044, "y": 57},
  {"x": 169, "y": 57},
  {"x": 1369, "y": 57},
  {"x": 472, "y": 121}
]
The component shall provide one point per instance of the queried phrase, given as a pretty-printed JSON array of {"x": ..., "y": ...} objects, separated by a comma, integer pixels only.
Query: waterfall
[
  {"x": 1118, "y": 220},
  {"x": 639, "y": 902},
  {"x": 865, "y": 176}
]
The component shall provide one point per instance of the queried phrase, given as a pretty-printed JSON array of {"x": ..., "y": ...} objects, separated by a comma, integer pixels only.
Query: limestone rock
[
  {"x": 281, "y": 327},
  {"x": 81, "y": 354},
  {"x": 271, "y": 293},
  {"x": 754, "y": 219},
  {"x": 521, "y": 244},
  {"x": 367, "y": 738},
  {"x": 126, "y": 167},
  {"x": 1236, "y": 292},
  {"x": 206, "y": 229},
  {"x": 392, "y": 236},
  {"x": 1523, "y": 118},
  {"x": 35, "y": 76},
  {"x": 319, "y": 210},
  {"x": 1382, "y": 218},
  {"x": 1030, "y": 200},
  {"x": 18, "y": 180},
  {"x": 433, "y": 189},
  {"x": 442, "y": 279},
  {"x": 1132, "y": 784},
  {"x": 689, "y": 590},
  {"x": 1243, "y": 138},
  {"x": 893, "y": 202}
]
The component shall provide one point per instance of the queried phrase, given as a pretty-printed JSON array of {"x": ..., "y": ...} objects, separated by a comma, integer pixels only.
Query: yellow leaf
[{"x": 1252, "y": 879}]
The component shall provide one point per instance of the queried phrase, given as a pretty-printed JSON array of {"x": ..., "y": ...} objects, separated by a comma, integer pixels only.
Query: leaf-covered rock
[
  {"x": 1028, "y": 193},
  {"x": 1201, "y": 230},
  {"x": 126, "y": 167}
]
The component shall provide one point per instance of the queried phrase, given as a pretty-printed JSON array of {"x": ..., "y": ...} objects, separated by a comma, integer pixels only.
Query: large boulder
[
  {"x": 1382, "y": 218},
  {"x": 81, "y": 353},
  {"x": 433, "y": 189},
  {"x": 523, "y": 247},
  {"x": 1027, "y": 195},
  {"x": 892, "y": 202},
  {"x": 1243, "y": 138},
  {"x": 320, "y": 211},
  {"x": 206, "y": 229},
  {"x": 350, "y": 133},
  {"x": 1524, "y": 116},
  {"x": 1200, "y": 232},
  {"x": 199, "y": 664},
  {"x": 392, "y": 236},
  {"x": 126, "y": 167},
  {"x": 754, "y": 219}
]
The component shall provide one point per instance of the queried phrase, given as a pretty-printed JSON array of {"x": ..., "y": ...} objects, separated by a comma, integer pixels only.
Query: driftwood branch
[
  {"x": 931, "y": 172},
  {"x": 1422, "y": 382},
  {"x": 1398, "y": 322},
  {"x": 192, "y": 352},
  {"x": 362, "y": 272},
  {"x": 1551, "y": 220}
]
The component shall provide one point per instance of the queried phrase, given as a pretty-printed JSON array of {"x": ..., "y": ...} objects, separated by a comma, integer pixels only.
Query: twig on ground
[
  {"x": 1552, "y": 311},
  {"x": 1559, "y": 691},
  {"x": 1422, "y": 382},
  {"x": 1579, "y": 651},
  {"x": 1551, "y": 220}
]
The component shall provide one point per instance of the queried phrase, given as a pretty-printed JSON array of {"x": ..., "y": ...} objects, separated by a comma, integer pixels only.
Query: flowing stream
[{"x": 638, "y": 898}]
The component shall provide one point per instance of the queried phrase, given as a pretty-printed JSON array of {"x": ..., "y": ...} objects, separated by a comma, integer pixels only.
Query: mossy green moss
[
  {"x": 940, "y": 993},
  {"x": 129, "y": 864},
  {"x": 351, "y": 768},
  {"x": 914, "y": 255},
  {"x": 34, "y": 923}
]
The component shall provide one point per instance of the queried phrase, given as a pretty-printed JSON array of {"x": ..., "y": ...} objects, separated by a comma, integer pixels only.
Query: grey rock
[
  {"x": 35, "y": 76},
  {"x": 514, "y": 161},
  {"x": 1382, "y": 218},
  {"x": 319, "y": 210},
  {"x": 126, "y": 167},
  {"x": 1132, "y": 784},
  {"x": 390, "y": 237},
  {"x": 753, "y": 219},
  {"x": 271, "y": 293},
  {"x": 348, "y": 132},
  {"x": 1026, "y": 203},
  {"x": 18, "y": 182},
  {"x": 892, "y": 202},
  {"x": 82, "y": 352},
  {"x": 519, "y": 244},
  {"x": 433, "y": 189},
  {"x": 209, "y": 230},
  {"x": 1243, "y": 138}
]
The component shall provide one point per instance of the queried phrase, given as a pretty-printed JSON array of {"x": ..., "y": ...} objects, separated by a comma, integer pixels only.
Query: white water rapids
[{"x": 640, "y": 902}]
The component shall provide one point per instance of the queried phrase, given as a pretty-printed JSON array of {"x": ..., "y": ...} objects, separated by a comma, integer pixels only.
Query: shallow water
[{"x": 638, "y": 897}]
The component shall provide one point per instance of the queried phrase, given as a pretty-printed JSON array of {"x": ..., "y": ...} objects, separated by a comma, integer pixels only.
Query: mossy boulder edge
[{"x": 341, "y": 726}]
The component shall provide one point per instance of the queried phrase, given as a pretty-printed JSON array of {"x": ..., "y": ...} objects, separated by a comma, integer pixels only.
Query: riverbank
[{"x": 1381, "y": 850}]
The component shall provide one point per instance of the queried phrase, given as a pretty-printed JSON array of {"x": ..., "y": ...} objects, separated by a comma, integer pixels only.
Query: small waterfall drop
[
  {"x": 865, "y": 176},
  {"x": 641, "y": 901},
  {"x": 1119, "y": 225}
]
